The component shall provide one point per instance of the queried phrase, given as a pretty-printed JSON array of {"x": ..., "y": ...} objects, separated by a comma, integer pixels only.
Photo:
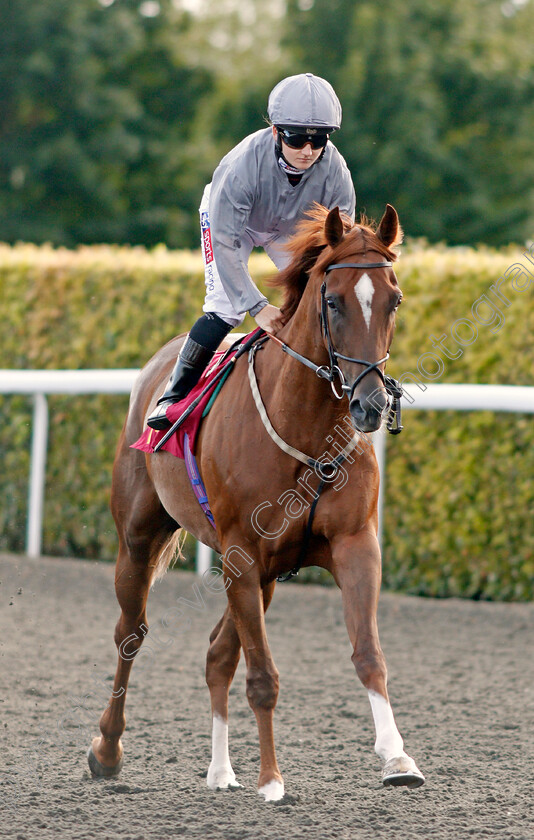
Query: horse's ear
[
  {"x": 389, "y": 230},
  {"x": 333, "y": 227}
]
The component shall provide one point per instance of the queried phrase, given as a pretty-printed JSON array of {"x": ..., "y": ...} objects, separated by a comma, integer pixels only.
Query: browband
[{"x": 385, "y": 264}]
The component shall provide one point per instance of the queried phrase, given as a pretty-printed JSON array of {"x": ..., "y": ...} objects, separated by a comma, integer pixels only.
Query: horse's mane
[{"x": 309, "y": 249}]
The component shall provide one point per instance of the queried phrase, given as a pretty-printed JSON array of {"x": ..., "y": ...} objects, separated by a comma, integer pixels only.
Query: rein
[{"x": 326, "y": 469}]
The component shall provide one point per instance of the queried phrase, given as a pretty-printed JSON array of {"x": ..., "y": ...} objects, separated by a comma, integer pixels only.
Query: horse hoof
[
  {"x": 272, "y": 791},
  {"x": 100, "y": 770},
  {"x": 402, "y": 772},
  {"x": 222, "y": 779}
]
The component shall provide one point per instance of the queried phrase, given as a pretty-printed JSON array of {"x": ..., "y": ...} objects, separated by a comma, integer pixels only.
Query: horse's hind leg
[
  {"x": 144, "y": 530},
  {"x": 221, "y": 664},
  {"x": 357, "y": 571}
]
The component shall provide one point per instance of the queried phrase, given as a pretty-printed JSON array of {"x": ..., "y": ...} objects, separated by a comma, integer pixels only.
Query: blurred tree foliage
[
  {"x": 115, "y": 112},
  {"x": 438, "y": 116},
  {"x": 97, "y": 110}
]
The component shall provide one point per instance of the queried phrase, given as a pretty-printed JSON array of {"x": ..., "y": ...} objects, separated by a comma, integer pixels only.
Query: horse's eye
[
  {"x": 399, "y": 301},
  {"x": 331, "y": 303}
]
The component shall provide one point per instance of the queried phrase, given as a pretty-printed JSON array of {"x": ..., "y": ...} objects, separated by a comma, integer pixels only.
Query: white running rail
[{"x": 40, "y": 383}]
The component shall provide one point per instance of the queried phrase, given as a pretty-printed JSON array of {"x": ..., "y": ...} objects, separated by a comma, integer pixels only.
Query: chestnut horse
[{"x": 338, "y": 319}]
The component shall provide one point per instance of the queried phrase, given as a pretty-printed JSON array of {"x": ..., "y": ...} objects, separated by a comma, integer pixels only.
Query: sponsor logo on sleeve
[{"x": 206, "y": 237}]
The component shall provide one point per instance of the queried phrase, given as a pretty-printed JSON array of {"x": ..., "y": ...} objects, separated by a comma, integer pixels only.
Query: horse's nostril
[{"x": 374, "y": 403}]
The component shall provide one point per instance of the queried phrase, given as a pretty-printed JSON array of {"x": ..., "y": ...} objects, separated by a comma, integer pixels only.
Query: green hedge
[
  {"x": 459, "y": 495},
  {"x": 98, "y": 307}
]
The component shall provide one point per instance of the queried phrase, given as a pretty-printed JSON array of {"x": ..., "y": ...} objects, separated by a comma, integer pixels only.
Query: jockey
[{"x": 259, "y": 192}]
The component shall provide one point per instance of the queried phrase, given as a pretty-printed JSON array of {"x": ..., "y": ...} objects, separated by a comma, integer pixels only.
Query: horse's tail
[{"x": 169, "y": 554}]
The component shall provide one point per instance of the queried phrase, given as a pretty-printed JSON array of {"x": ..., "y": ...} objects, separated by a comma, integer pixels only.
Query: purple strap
[{"x": 196, "y": 482}]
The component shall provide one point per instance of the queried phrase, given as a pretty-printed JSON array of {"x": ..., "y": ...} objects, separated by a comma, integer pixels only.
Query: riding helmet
[{"x": 305, "y": 102}]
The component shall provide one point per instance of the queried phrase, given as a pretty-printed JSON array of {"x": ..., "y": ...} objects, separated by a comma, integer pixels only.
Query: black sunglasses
[{"x": 297, "y": 141}]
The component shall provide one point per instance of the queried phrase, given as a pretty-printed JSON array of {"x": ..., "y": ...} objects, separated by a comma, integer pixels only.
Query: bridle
[{"x": 333, "y": 372}]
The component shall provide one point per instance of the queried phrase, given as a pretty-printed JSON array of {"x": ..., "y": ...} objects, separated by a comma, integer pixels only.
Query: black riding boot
[{"x": 192, "y": 362}]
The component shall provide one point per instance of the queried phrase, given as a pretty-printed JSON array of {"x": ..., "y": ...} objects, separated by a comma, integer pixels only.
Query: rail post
[
  {"x": 379, "y": 444},
  {"x": 37, "y": 476},
  {"x": 203, "y": 559}
]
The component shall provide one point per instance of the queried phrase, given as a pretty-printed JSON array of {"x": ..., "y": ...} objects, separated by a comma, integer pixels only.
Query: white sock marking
[
  {"x": 389, "y": 743},
  {"x": 365, "y": 290},
  {"x": 272, "y": 791},
  {"x": 220, "y": 773}
]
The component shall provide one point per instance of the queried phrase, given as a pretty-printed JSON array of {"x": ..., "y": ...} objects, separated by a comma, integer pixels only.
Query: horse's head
[
  {"x": 340, "y": 276},
  {"x": 359, "y": 296}
]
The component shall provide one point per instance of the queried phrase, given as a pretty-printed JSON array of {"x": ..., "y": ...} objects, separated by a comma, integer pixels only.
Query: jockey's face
[{"x": 299, "y": 158}]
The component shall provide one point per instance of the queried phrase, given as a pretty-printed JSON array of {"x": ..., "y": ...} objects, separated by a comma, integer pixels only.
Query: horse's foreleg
[
  {"x": 221, "y": 663},
  {"x": 357, "y": 570},
  {"x": 222, "y": 659},
  {"x": 248, "y": 606}
]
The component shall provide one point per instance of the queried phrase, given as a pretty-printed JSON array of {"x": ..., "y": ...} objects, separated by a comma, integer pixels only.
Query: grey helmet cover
[{"x": 305, "y": 102}]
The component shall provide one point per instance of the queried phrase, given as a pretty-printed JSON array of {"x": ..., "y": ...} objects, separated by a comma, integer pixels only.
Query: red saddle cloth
[{"x": 191, "y": 425}]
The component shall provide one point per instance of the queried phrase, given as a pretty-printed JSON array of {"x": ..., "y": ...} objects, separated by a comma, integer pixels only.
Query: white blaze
[{"x": 365, "y": 290}]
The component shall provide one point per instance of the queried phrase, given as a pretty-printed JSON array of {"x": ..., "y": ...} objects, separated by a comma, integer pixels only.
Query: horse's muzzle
[{"x": 367, "y": 414}]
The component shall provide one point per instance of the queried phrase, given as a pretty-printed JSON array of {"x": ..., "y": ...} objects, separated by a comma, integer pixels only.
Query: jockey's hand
[{"x": 267, "y": 317}]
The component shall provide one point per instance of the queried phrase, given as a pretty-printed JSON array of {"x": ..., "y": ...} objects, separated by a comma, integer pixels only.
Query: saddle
[{"x": 186, "y": 415}]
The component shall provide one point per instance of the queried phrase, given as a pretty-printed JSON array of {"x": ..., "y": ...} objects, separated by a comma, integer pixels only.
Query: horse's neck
[
  {"x": 294, "y": 396},
  {"x": 303, "y": 334}
]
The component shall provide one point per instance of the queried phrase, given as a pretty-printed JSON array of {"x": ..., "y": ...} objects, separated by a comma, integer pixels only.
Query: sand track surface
[{"x": 461, "y": 680}]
